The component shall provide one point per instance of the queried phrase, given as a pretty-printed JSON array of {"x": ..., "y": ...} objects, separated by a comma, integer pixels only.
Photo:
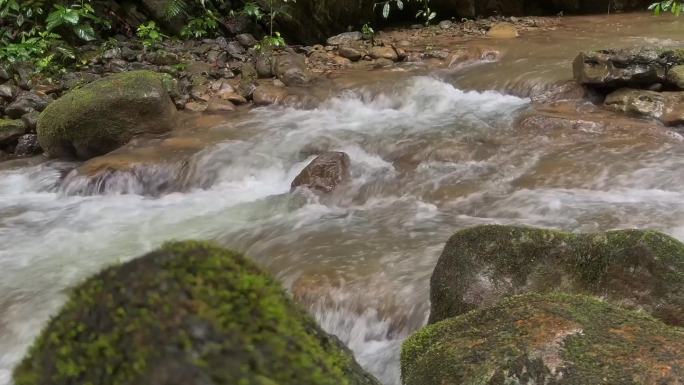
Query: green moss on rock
[
  {"x": 481, "y": 265},
  {"x": 558, "y": 339},
  {"x": 189, "y": 313},
  {"x": 10, "y": 130},
  {"x": 105, "y": 114}
]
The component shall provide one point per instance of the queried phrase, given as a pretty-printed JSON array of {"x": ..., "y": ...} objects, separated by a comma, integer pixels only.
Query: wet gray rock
[
  {"x": 264, "y": 64},
  {"x": 25, "y": 103},
  {"x": 325, "y": 172},
  {"x": 4, "y": 75},
  {"x": 31, "y": 120},
  {"x": 235, "y": 50},
  {"x": 634, "y": 68},
  {"x": 112, "y": 53},
  {"x": 22, "y": 74},
  {"x": 291, "y": 70},
  {"x": 7, "y": 91},
  {"x": 445, "y": 24},
  {"x": 345, "y": 38},
  {"x": 27, "y": 145},
  {"x": 162, "y": 58},
  {"x": 246, "y": 40}
]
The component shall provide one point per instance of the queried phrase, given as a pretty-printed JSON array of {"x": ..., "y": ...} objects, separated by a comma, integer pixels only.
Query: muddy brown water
[{"x": 433, "y": 150}]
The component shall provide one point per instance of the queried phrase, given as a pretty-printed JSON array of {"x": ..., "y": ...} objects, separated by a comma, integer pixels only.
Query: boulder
[
  {"x": 634, "y": 67},
  {"x": 325, "y": 172},
  {"x": 107, "y": 113},
  {"x": 25, "y": 103},
  {"x": 264, "y": 63},
  {"x": 668, "y": 107},
  {"x": 636, "y": 268},
  {"x": 189, "y": 313},
  {"x": 266, "y": 94},
  {"x": 291, "y": 70},
  {"x": 556, "y": 339}
]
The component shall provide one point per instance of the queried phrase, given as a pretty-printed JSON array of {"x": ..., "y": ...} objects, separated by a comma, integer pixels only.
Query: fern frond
[{"x": 174, "y": 8}]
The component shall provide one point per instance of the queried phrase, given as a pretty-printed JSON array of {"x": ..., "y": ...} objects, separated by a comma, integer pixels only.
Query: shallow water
[{"x": 427, "y": 159}]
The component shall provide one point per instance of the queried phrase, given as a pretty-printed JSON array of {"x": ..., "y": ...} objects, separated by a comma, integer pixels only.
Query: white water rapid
[{"x": 427, "y": 159}]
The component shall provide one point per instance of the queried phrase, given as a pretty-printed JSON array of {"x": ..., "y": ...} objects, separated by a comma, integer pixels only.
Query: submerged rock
[
  {"x": 107, "y": 113},
  {"x": 189, "y": 313},
  {"x": 636, "y": 268},
  {"x": 634, "y": 67},
  {"x": 325, "y": 172},
  {"x": 545, "y": 339}
]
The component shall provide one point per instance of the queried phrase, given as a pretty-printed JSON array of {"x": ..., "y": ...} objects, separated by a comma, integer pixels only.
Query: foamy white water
[{"x": 427, "y": 160}]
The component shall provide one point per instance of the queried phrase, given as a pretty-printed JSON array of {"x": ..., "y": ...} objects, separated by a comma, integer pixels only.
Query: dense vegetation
[{"x": 45, "y": 32}]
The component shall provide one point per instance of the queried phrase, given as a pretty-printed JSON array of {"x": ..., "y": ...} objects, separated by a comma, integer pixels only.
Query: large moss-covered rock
[
  {"x": 537, "y": 339},
  {"x": 190, "y": 313},
  {"x": 107, "y": 113},
  {"x": 633, "y": 67},
  {"x": 481, "y": 265}
]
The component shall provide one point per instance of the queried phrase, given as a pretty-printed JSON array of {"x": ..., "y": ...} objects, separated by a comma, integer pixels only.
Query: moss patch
[
  {"x": 483, "y": 264},
  {"x": 189, "y": 313},
  {"x": 556, "y": 339}
]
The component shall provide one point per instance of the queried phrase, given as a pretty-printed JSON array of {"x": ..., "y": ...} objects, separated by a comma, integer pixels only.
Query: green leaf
[
  {"x": 657, "y": 10},
  {"x": 71, "y": 16},
  {"x": 400, "y": 4},
  {"x": 84, "y": 32},
  {"x": 386, "y": 10},
  {"x": 432, "y": 15}
]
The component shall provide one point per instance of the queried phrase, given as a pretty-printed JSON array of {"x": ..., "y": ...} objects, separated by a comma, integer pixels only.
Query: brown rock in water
[
  {"x": 351, "y": 53},
  {"x": 634, "y": 67},
  {"x": 325, "y": 172},
  {"x": 267, "y": 94},
  {"x": 384, "y": 53},
  {"x": 220, "y": 106},
  {"x": 668, "y": 107},
  {"x": 503, "y": 31}
]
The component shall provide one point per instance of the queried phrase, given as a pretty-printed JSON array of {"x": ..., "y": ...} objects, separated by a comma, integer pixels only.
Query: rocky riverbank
[{"x": 218, "y": 76}]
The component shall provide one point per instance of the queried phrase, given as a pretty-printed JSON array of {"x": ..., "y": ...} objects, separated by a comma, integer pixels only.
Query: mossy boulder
[
  {"x": 558, "y": 339},
  {"x": 481, "y": 265},
  {"x": 189, "y": 313},
  {"x": 105, "y": 114}
]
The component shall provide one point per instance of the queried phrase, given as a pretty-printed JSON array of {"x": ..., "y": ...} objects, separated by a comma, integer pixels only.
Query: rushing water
[{"x": 427, "y": 159}]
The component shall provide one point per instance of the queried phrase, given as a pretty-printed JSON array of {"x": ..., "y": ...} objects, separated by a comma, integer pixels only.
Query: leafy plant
[
  {"x": 673, "y": 6},
  {"x": 201, "y": 26},
  {"x": 253, "y": 10},
  {"x": 150, "y": 34},
  {"x": 367, "y": 30},
  {"x": 426, "y": 13},
  {"x": 271, "y": 42},
  {"x": 78, "y": 17}
]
